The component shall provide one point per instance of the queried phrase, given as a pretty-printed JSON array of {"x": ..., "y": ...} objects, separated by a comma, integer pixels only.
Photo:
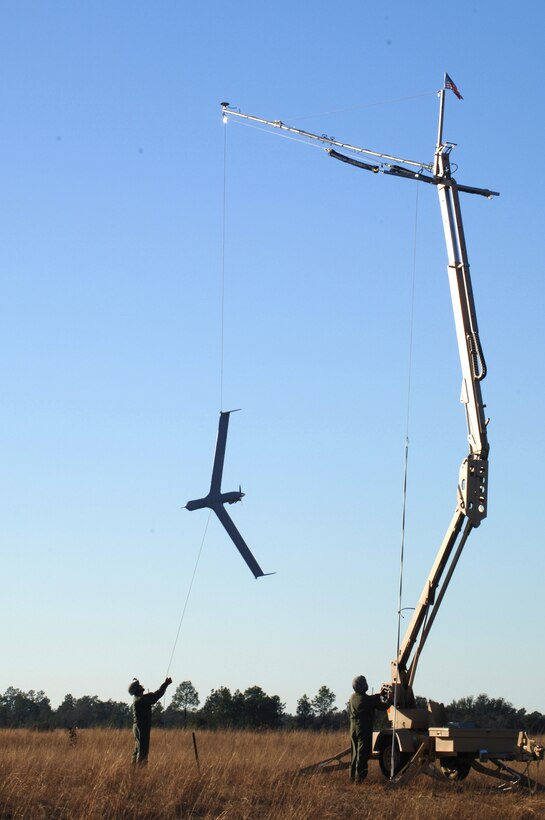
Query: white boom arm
[{"x": 471, "y": 506}]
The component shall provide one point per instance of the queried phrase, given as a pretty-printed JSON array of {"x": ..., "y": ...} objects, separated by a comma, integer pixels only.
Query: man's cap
[
  {"x": 134, "y": 686},
  {"x": 359, "y": 684}
]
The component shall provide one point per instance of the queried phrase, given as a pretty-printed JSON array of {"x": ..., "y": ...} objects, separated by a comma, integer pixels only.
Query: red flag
[{"x": 452, "y": 85}]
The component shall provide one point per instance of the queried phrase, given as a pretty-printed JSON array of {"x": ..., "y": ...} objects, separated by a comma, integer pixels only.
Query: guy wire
[
  {"x": 276, "y": 133},
  {"x": 405, "y": 474}
]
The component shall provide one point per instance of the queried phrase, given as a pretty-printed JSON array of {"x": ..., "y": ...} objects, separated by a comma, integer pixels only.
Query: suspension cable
[
  {"x": 222, "y": 273},
  {"x": 222, "y": 336}
]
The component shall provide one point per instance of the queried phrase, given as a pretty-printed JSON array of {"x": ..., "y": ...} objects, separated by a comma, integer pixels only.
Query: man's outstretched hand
[{"x": 168, "y": 681}]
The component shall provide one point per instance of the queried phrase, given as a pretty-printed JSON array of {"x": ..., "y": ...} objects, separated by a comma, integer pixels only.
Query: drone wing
[
  {"x": 239, "y": 541},
  {"x": 219, "y": 456}
]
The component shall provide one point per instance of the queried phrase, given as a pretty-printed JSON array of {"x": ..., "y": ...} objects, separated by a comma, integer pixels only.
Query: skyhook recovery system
[{"x": 417, "y": 738}]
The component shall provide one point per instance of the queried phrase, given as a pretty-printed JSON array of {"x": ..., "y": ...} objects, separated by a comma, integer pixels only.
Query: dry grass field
[{"x": 242, "y": 775}]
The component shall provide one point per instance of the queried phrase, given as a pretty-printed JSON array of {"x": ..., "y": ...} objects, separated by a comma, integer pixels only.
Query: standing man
[
  {"x": 361, "y": 710},
  {"x": 141, "y": 717}
]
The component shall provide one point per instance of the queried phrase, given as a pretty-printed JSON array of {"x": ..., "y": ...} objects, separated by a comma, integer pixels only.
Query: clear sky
[{"x": 114, "y": 239}]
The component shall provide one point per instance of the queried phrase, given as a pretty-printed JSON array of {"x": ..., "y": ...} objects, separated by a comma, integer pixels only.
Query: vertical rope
[
  {"x": 405, "y": 473},
  {"x": 222, "y": 282},
  {"x": 222, "y": 334}
]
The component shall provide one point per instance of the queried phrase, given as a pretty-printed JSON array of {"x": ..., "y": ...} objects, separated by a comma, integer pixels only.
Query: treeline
[
  {"x": 251, "y": 709},
  {"x": 494, "y": 713},
  {"x": 32, "y": 710}
]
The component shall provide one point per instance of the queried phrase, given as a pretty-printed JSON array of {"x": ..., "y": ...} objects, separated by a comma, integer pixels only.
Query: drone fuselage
[{"x": 214, "y": 500}]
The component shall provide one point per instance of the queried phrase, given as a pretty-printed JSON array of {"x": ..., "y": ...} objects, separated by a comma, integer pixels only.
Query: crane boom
[
  {"x": 472, "y": 493},
  {"x": 228, "y": 111}
]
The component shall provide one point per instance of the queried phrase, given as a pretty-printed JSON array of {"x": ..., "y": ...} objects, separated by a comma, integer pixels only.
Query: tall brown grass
[{"x": 242, "y": 775}]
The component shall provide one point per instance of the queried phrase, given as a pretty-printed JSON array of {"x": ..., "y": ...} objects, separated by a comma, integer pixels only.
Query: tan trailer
[
  {"x": 448, "y": 751},
  {"x": 420, "y": 746}
]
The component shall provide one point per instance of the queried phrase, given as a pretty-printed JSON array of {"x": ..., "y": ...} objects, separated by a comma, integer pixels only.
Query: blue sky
[{"x": 114, "y": 242}]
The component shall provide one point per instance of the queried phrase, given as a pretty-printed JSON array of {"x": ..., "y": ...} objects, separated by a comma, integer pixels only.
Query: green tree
[
  {"x": 64, "y": 716},
  {"x": 487, "y": 713},
  {"x": 535, "y": 723},
  {"x": 261, "y": 710},
  {"x": 90, "y": 711},
  {"x": 253, "y": 708},
  {"x": 304, "y": 712},
  {"x": 185, "y": 698},
  {"x": 31, "y": 709},
  {"x": 220, "y": 708},
  {"x": 158, "y": 714},
  {"x": 85, "y": 712},
  {"x": 322, "y": 705},
  {"x": 117, "y": 714}
]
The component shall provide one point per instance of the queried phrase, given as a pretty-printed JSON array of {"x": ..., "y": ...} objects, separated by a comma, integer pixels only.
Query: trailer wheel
[
  {"x": 455, "y": 768},
  {"x": 385, "y": 759}
]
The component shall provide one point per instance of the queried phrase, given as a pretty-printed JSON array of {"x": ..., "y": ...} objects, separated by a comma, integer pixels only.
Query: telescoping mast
[{"x": 415, "y": 740}]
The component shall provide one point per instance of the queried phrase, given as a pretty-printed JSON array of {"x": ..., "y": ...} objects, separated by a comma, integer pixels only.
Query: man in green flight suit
[
  {"x": 361, "y": 710},
  {"x": 141, "y": 717}
]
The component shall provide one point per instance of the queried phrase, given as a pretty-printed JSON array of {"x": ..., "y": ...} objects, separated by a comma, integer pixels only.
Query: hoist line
[
  {"x": 222, "y": 336},
  {"x": 405, "y": 474},
  {"x": 411, "y": 318},
  {"x": 188, "y": 593},
  {"x": 222, "y": 274}
]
